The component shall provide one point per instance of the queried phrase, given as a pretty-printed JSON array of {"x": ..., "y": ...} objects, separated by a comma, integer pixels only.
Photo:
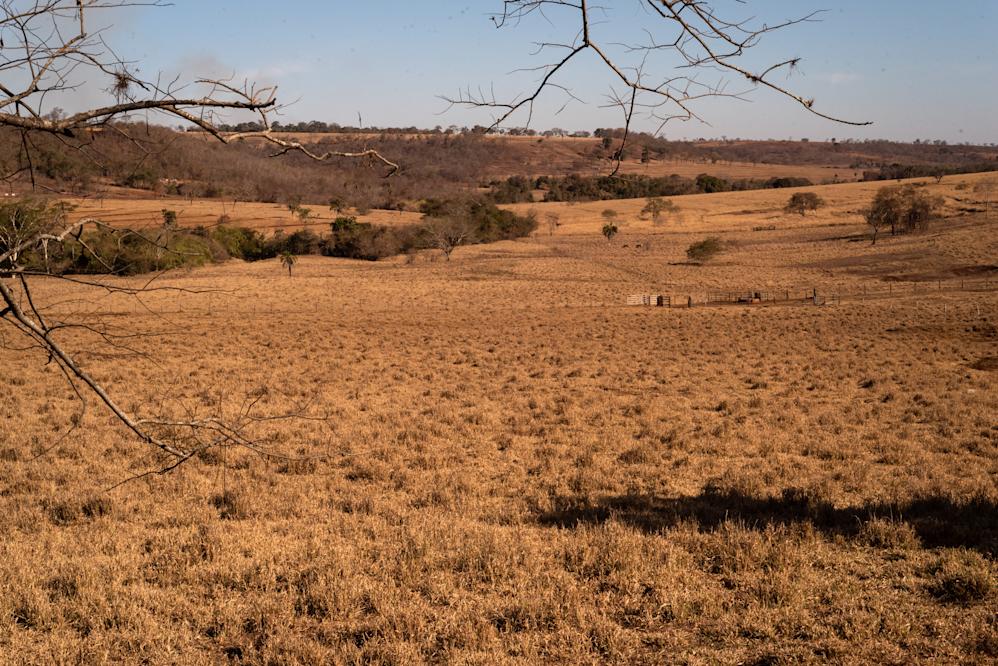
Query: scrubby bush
[
  {"x": 489, "y": 222},
  {"x": 126, "y": 252},
  {"x": 242, "y": 243},
  {"x": 705, "y": 250},
  {"x": 20, "y": 220},
  {"x": 961, "y": 577},
  {"x": 709, "y": 184}
]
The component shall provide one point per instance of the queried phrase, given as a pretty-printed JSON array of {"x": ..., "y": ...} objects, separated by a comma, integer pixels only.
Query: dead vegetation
[{"x": 515, "y": 468}]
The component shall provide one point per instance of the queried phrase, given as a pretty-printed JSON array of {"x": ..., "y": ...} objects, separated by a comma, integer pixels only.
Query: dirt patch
[
  {"x": 987, "y": 363},
  {"x": 975, "y": 271}
]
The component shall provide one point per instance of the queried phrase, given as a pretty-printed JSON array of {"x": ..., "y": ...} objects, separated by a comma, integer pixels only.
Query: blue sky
[{"x": 918, "y": 69}]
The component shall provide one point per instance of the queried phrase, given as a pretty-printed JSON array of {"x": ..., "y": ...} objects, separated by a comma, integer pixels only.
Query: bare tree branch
[
  {"x": 697, "y": 38},
  {"x": 46, "y": 50}
]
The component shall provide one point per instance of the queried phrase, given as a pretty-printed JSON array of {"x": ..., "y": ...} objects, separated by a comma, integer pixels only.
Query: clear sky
[{"x": 917, "y": 68}]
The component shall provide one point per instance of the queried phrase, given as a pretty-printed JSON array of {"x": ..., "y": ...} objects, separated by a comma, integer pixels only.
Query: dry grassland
[
  {"x": 743, "y": 211},
  {"x": 145, "y": 213},
  {"x": 517, "y": 469}
]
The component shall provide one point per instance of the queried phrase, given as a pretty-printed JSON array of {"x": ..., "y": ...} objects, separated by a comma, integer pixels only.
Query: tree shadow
[{"x": 938, "y": 522}]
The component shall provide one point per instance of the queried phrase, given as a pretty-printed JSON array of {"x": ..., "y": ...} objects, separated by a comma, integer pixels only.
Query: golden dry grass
[
  {"x": 517, "y": 469},
  {"x": 742, "y": 211},
  {"x": 144, "y": 213}
]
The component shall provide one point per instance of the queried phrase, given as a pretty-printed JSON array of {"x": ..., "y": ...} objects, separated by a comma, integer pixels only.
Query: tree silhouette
[
  {"x": 801, "y": 202},
  {"x": 655, "y": 206},
  {"x": 288, "y": 260}
]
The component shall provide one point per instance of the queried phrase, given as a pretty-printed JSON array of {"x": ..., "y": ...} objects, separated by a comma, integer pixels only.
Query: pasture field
[
  {"x": 502, "y": 464},
  {"x": 146, "y": 213}
]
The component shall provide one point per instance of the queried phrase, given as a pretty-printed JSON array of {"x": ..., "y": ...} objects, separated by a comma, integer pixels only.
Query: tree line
[
  {"x": 520, "y": 189},
  {"x": 446, "y": 225}
]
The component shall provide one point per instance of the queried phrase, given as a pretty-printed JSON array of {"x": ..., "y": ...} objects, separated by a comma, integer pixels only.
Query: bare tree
[
  {"x": 49, "y": 48},
  {"x": 689, "y": 38},
  {"x": 878, "y": 218},
  {"x": 448, "y": 233},
  {"x": 553, "y": 220},
  {"x": 986, "y": 188}
]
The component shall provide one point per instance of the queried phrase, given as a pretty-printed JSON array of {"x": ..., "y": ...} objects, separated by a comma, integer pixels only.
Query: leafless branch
[
  {"x": 47, "y": 48},
  {"x": 691, "y": 31}
]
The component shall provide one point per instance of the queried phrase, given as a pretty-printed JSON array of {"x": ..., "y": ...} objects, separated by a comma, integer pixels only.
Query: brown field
[
  {"x": 742, "y": 211},
  {"x": 142, "y": 213},
  {"x": 512, "y": 467}
]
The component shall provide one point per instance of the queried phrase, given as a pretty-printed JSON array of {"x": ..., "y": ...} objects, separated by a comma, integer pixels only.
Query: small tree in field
[
  {"x": 610, "y": 215},
  {"x": 293, "y": 203},
  {"x": 904, "y": 209},
  {"x": 609, "y": 230},
  {"x": 553, "y": 220},
  {"x": 986, "y": 188},
  {"x": 303, "y": 213},
  {"x": 878, "y": 219},
  {"x": 705, "y": 250},
  {"x": 656, "y": 206},
  {"x": 802, "y": 202},
  {"x": 337, "y": 204},
  {"x": 288, "y": 260},
  {"x": 448, "y": 233}
]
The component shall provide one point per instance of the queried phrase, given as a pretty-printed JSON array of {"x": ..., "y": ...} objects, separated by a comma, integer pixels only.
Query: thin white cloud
[{"x": 274, "y": 73}]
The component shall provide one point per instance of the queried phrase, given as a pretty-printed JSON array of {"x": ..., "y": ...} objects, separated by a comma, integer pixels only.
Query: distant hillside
[{"x": 439, "y": 164}]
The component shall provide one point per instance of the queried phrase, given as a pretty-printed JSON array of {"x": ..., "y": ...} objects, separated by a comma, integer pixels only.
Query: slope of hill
[{"x": 434, "y": 165}]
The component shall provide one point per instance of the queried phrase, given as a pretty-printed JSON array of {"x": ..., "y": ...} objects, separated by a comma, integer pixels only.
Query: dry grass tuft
[{"x": 961, "y": 577}]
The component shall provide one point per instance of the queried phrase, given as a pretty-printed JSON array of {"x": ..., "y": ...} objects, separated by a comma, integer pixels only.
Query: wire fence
[{"x": 816, "y": 295}]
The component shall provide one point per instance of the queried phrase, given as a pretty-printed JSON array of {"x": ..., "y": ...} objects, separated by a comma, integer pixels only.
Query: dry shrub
[
  {"x": 297, "y": 466},
  {"x": 705, "y": 250},
  {"x": 961, "y": 577},
  {"x": 64, "y": 512},
  {"x": 97, "y": 506},
  {"x": 638, "y": 455},
  {"x": 888, "y": 533},
  {"x": 231, "y": 505},
  {"x": 609, "y": 550}
]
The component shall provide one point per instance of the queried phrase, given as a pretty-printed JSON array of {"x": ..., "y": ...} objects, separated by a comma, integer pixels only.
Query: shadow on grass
[{"x": 938, "y": 522}]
